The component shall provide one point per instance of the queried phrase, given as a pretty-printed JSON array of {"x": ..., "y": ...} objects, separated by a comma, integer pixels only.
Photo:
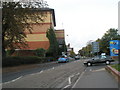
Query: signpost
[{"x": 95, "y": 47}]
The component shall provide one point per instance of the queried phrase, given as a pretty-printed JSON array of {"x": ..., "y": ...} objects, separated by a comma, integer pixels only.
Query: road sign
[
  {"x": 114, "y": 46},
  {"x": 95, "y": 47}
]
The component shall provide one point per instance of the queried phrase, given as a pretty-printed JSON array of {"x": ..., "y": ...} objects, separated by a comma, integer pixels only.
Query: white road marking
[
  {"x": 13, "y": 80},
  {"x": 41, "y": 71},
  {"x": 16, "y": 79},
  {"x": 37, "y": 73},
  {"x": 72, "y": 76},
  {"x": 69, "y": 79},
  {"x": 53, "y": 68},
  {"x": 99, "y": 70},
  {"x": 69, "y": 82},
  {"x": 66, "y": 87},
  {"x": 78, "y": 74},
  {"x": 90, "y": 69},
  {"x": 78, "y": 79}
]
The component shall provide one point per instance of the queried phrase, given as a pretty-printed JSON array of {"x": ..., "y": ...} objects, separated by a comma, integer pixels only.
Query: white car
[{"x": 77, "y": 57}]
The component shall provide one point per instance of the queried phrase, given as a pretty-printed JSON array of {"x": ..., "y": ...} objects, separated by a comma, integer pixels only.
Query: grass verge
[{"x": 116, "y": 66}]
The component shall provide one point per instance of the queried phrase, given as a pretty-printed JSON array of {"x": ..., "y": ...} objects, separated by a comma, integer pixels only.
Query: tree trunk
[
  {"x": 3, "y": 46},
  {"x": 3, "y": 52}
]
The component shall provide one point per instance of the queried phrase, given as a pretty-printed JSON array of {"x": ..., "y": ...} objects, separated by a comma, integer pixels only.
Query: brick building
[
  {"x": 37, "y": 39},
  {"x": 60, "y": 36}
]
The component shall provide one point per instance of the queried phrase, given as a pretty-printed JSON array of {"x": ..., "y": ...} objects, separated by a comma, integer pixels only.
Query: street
[{"x": 62, "y": 75}]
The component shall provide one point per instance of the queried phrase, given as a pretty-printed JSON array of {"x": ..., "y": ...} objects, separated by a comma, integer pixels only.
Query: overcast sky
[{"x": 84, "y": 20}]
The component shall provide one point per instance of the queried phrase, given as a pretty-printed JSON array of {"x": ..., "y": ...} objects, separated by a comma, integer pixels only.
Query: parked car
[
  {"x": 97, "y": 60},
  {"x": 77, "y": 57},
  {"x": 63, "y": 59}
]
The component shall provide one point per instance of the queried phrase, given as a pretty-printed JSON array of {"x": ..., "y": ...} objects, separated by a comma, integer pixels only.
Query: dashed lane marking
[
  {"x": 37, "y": 73},
  {"x": 78, "y": 79},
  {"x": 66, "y": 87}
]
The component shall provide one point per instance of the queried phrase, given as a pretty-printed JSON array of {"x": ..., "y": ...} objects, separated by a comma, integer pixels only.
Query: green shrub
[
  {"x": 9, "y": 52},
  {"x": 40, "y": 52}
]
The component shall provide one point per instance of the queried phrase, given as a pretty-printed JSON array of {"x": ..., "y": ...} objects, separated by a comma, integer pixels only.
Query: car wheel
[
  {"x": 107, "y": 62},
  {"x": 89, "y": 64}
]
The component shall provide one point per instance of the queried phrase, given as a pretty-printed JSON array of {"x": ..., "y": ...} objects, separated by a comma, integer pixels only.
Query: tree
[
  {"x": 86, "y": 51},
  {"x": 14, "y": 23},
  {"x": 54, "y": 46},
  {"x": 72, "y": 53},
  {"x": 111, "y": 34},
  {"x": 83, "y": 51},
  {"x": 63, "y": 48}
]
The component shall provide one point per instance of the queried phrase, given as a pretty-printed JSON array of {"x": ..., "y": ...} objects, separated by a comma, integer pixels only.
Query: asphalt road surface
[{"x": 59, "y": 75}]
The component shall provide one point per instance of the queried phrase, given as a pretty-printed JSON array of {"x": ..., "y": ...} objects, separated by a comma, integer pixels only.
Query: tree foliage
[
  {"x": 14, "y": 22},
  {"x": 54, "y": 46},
  {"x": 63, "y": 48},
  {"x": 72, "y": 54},
  {"x": 111, "y": 34}
]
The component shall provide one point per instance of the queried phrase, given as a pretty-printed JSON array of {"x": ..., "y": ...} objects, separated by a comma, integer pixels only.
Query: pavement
[{"x": 96, "y": 77}]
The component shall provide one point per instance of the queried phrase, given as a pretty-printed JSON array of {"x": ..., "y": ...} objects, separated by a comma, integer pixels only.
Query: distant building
[
  {"x": 60, "y": 35},
  {"x": 69, "y": 50}
]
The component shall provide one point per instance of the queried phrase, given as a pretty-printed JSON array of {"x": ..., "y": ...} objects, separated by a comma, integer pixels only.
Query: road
[{"x": 56, "y": 75}]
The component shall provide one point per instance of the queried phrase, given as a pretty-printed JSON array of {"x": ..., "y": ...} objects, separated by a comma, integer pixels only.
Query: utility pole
[
  {"x": 119, "y": 56},
  {"x": 119, "y": 29}
]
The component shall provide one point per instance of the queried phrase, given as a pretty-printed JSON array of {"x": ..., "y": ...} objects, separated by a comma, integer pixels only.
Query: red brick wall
[
  {"x": 24, "y": 53},
  {"x": 41, "y": 27},
  {"x": 38, "y": 44}
]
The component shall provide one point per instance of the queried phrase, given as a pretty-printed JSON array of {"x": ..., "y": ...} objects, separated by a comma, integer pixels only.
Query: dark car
[{"x": 97, "y": 60}]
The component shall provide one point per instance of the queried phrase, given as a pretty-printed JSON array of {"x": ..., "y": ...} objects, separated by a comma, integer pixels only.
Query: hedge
[{"x": 17, "y": 60}]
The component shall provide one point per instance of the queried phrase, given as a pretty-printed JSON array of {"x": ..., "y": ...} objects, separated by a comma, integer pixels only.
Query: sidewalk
[{"x": 96, "y": 78}]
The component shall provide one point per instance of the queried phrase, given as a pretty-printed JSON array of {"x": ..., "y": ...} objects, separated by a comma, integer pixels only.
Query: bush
[
  {"x": 40, "y": 52},
  {"x": 10, "y": 52},
  {"x": 17, "y": 60}
]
